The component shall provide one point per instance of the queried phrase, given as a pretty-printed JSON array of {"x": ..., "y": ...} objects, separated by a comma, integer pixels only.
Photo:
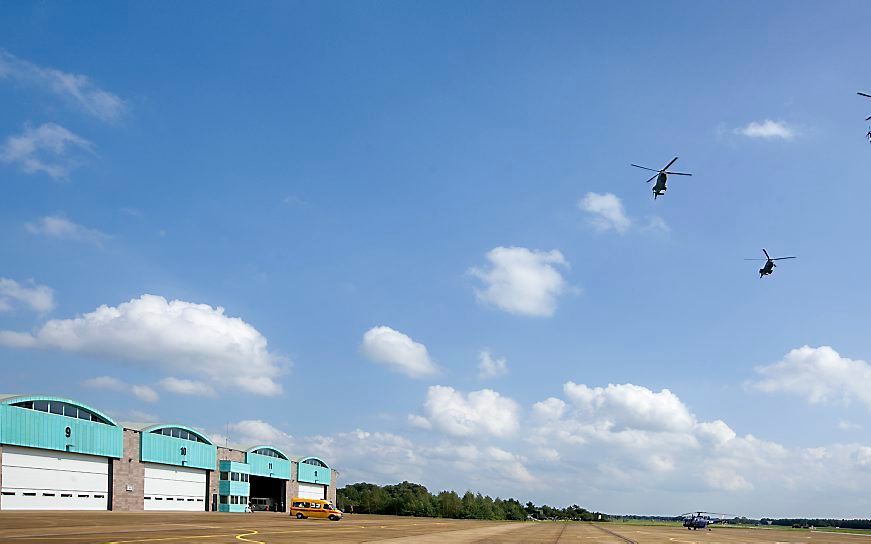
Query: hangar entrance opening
[{"x": 267, "y": 492}]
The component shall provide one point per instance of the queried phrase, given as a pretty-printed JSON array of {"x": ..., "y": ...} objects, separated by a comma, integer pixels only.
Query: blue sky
[{"x": 308, "y": 221}]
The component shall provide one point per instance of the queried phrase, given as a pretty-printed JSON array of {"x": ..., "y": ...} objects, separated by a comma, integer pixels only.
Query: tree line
[{"x": 410, "y": 499}]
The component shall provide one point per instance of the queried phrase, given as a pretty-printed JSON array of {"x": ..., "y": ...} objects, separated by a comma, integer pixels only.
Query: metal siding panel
[
  {"x": 313, "y": 474},
  {"x": 260, "y": 466},
  {"x": 35, "y": 429},
  {"x": 166, "y": 450}
]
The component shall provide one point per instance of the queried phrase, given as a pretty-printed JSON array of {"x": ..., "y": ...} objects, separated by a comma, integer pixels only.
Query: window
[
  {"x": 315, "y": 505},
  {"x": 169, "y": 498},
  {"x": 225, "y": 475},
  {"x": 48, "y": 494},
  {"x": 103, "y": 497},
  {"x": 29, "y": 494},
  {"x": 224, "y": 499},
  {"x": 177, "y": 432},
  {"x": 86, "y": 496},
  {"x": 234, "y": 476},
  {"x": 62, "y": 409},
  {"x": 315, "y": 462},
  {"x": 297, "y": 504},
  {"x": 8, "y": 493},
  {"x": 244, "y": 477},
  {"x": 146, "y": 498},
  {"x": 66, "y": 494},
  {"x": 234, "y": 499},
  {"x": 158, "y": 498}
]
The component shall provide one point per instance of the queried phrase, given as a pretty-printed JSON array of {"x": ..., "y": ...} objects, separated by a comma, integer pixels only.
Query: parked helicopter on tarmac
[
  {"x": 768, "y": 267},
  {"x": 701, "y": 520},
  {"x": 661, "y": 176}
]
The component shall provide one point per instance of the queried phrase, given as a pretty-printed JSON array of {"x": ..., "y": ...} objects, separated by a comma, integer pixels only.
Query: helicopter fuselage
[
  {"x": 696, "y": 523},
  {"x": 767, "y": 269},
  {"x": 660, "y": 187}
]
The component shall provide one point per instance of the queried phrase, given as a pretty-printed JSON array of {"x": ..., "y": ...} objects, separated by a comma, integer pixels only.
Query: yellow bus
[{"x": 314, "y": 508}]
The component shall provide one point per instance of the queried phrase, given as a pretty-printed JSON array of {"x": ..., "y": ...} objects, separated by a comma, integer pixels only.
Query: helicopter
[
  {"x": 701, "y": 520},
  {"x": 661, "y": 176},
  {"x": 768, "y": 268},
  {"x": 866, "y": 96}
]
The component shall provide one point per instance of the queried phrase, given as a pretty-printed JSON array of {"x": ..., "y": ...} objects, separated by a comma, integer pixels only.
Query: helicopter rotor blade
[
  {"x": 766, "y": 254},
  {"x": 781, "y": 258},
  {"x": 868, "y": 118},
  {"x": 678, "y": 174},
  {"x": 651, "y": 178},
  {"x": 864, "y": 94},
  {"x": 645, "y": 168},
  {"x": 755, "y": 259},
  {"x": 669, "y": 164}
]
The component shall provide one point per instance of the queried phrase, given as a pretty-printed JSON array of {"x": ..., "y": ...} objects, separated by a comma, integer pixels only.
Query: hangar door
[
  {"x": 35, "y": 479},
  {"x": 169, "y": 487},
  {"x": 312, "y": 491}
]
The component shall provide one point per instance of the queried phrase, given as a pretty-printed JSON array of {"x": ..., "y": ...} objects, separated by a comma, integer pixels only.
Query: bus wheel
[
  {"x": 334, "y": 517},
  {"x": 299, "y": 515}
]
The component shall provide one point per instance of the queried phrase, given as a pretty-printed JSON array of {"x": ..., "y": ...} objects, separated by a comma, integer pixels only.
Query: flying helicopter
[
  {"x": 866, "y": 96},
  {"x": 661, "y": 176},
  {"x": 701, "y": 520},
  {"x": 768, "y": 267}
]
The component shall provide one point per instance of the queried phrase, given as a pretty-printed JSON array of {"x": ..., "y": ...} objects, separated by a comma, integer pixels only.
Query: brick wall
[
  {"x": 1, "y": 475},
  {"x": 292, "y": 485},
  {"x": 128, "y": 476},
  {"x": 331, "y": 491}
]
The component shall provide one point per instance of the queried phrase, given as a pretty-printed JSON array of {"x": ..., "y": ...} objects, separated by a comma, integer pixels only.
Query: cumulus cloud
[
  {"x": 398, "y": 352},
  {"x": 819, "y": 375},
  {"x": 606, "y": 212},
  {"x": 76, "y": 89},
  {"x": 480, "y": 413},
  {"x": 629, "y": 406},
  {"x": 522, "y": 281},
  {"x": 768, "y": 130},
  {"x": 38, "y": 298},
  {"x": 48, "y": 148},
  {"x": 490, "y": 367},
  {"x": 256, "y": 432},
  {"x": 183, "y": 337},
  {"x": 108, "y": 383},
  {"x": 187, "y": 387},
  {"x": 61, "y": 228}
]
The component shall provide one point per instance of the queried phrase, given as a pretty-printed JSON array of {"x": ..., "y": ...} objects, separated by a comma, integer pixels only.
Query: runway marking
[
  {"x": 243, "y": 535},
  {"x": 618, "y": 535}
]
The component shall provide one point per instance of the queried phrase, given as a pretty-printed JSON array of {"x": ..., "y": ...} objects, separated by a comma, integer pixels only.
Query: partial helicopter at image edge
[
  {"x": 768, "y": 267},
  {"x": 868, "y": 134},
  {"x": 661, "y": 176},
  {"x": 701, "y": 520}
]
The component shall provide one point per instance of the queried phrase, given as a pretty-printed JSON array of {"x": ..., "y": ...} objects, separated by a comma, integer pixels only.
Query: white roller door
[
  {"x": 312, "y": 491},
  {"x": 174, "y": 488},
  {"x": 35, "y": 479}
]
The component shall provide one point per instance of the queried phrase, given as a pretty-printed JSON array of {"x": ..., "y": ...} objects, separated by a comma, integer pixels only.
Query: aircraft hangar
[{"x": 59, "y": 454}]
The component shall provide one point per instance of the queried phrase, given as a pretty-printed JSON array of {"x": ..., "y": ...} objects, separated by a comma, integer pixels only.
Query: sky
[{"x": 406, "y": 237}]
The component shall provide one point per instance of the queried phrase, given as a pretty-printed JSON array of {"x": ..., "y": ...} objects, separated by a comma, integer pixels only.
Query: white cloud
[
  {"x": 108, "y": 383},
  {"x": 55, "y": 226},
  {"x": 187, "y": 387},
  {"x": 255, "y": 432},
  {"x": 848, "y": 425},
  {"x": 656, "y": 224},
  {"x": 819, "y": 375},
  {"x": 419, "y": 421},
  {"x": 38, "y": 298},
  {"x": 76, "y": 89},
  {"x": 480, "y": 413},
  {"x": 632, "y": 406},
  {"x": 767, "y": 129},
  {"x": 522, "y": 281},
  {"x": 488, "y": 367},
  {"x": 145, "y": 393},
  {"x": 183, "y": 337},
  {"x": 398, "y": 352},
  {"x": 48, "y": 148},
  {"x": 606, "y": 212}
]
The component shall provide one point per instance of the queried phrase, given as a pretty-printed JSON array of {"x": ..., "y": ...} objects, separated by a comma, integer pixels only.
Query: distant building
[{"x": 59, "y": 454}]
